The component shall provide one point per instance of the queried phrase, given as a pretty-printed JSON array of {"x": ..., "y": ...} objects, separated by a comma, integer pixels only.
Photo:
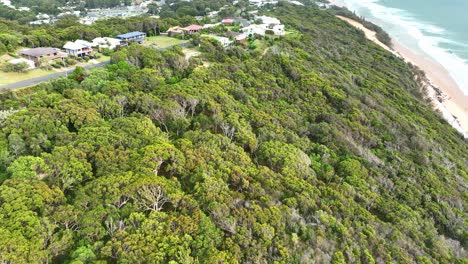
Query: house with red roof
[
  {"x": 192, "y": 29},
  {"x": 228, "y": 21}
]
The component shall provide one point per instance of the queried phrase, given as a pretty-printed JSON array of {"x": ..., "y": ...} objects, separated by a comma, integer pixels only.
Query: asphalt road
[{"x": 45, "y": 78}]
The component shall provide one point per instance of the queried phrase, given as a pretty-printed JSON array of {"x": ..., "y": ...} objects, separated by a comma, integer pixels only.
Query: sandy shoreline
[{"x": 453, "y": 103}]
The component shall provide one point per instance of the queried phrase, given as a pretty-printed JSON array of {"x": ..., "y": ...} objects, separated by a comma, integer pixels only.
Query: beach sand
[{"x": 446, "y": 95}]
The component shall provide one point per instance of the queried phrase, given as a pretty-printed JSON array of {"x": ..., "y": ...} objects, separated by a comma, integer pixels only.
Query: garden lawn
[
  {"x": 163, "y": 41},
  {"x": 11, "y": 77},
  {"x": 103, "y": 58}
]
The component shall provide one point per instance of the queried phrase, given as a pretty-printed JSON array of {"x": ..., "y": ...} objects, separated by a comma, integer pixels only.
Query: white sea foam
[{"x": 420, "y": 35}]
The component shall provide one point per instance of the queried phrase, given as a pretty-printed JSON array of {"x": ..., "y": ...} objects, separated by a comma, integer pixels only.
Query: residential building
[
  {"x": 242, "y": 38},
  {"x": 213, "y": 14},
  {"x": 243, "y": 22},
  {"x": 225, "y": 42},
  {"x": 79, "y": 48},
  {"x": 106, "y": 43},
  {"x": 255, "y": 30},
  {"x": 268, "y": 20},
  {"x": 192, "y": 29},
  {"x": 296, "y": 3},
  {"x": 211, "y": 25},
  {"x": 260, "y": 3},
  {"x": 135, "y": 36},
  {"x": 174, "y": 31},
  {"x": 278, "y": 30},
  {"x": 228, "y": 21},
  {"x": 232, "y": 34},
  {"x": 45, "y": 53}
]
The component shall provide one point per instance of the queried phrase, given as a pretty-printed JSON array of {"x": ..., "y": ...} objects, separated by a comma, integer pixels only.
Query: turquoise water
[{"x": 434, "y": 28}]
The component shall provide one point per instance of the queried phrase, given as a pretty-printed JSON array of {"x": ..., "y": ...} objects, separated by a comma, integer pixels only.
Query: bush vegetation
[{"x": 320, "y": 149}]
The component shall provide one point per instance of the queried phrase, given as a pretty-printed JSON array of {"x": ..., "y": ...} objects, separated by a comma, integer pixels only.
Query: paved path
[{"x": 45, "y": 78}]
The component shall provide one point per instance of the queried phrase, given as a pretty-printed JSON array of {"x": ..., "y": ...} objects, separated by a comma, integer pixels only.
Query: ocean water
[{"x": 433, "y": 28}]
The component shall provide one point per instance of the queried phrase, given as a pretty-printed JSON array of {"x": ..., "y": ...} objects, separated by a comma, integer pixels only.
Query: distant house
[
  {"x": 192, "y": 29},
  {"x": 211, "y": 25},
  {"x": 296, "y": 3},
  {"x": 174, "y": 31},
  {"x": 242, "y": 38},
  {"x": 232, "y": 34},
  {"x": 37, "y": 54},
  {"x": 106, "y": 43},
  {"x": 260, "y": 3},
  {"x": 30, "y": 63},
  {"x": 268, "y": 20},
  {"x": 213, "y": 13},
  {"x": 228, "y": 21},
  {"x": 135, "y": 36},
  {"x": 238, "y": 37},
  {"x": 278, "y": 30},
  {"x": 225, "y": 42},
  {"x": 79, "y": 48},
  {"x": 242, "y": 21},
  {"x": 255, "y": 30},
  {"x": 257, "y": 3}
]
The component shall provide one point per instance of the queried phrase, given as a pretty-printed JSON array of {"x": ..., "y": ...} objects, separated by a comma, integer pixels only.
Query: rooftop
[
  {"x": 131, "y": 35},
  {"x": 232, "y": 33},
  {"x": 193, "y": 27},
  {"x": 38, "y": 52}
]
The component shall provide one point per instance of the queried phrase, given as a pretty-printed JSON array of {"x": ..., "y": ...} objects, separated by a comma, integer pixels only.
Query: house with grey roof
[{"x": 43, "y": 53}]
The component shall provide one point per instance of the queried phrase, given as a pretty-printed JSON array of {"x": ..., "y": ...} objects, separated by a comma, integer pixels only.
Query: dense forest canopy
[{"x": 320, "y": 149}]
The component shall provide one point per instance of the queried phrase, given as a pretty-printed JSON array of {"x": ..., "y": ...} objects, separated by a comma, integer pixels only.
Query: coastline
[{"x": 446, "y": 95}]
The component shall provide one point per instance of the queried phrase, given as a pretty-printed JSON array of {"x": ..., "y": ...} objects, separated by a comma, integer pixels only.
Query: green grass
[
  {"x": 292, "y": 34},
  {"x": 11, "y": 77},
  {"x": 103, "y": 58},
  {"x": 261, "y": 44},
  {"x": 163, "y": 41}
]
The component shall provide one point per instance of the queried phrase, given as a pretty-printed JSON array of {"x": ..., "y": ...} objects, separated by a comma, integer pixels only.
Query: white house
[
  {"x": 225, "y": 42},
  {"x": 296, "y": 3},
  {"x": 30, "y": 63},
  {"x": 255, "y": 30},
  {"x": 106, "y": 43},
  {"x": 241, "y": 38},
  {"x": 42, "y": 16},
  {"x": 213, "y": 14},
  {"x": 278, "y": 30},
  {"x": 211, "y": 25},
  {"x": 79, "y": 48},
  {"x": 268, "y": 20},
  {"x": 260, "y": 3}
]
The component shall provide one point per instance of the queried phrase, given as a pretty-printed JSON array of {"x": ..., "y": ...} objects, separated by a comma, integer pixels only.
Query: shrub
[
  {"x": 18, "y": 67},
  {"x": 106, "y": 52},
  {"x": 56, "y": 65}
]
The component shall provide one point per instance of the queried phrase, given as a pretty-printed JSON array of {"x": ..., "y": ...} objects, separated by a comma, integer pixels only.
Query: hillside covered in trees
[{"x": 320, "y": 149}]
